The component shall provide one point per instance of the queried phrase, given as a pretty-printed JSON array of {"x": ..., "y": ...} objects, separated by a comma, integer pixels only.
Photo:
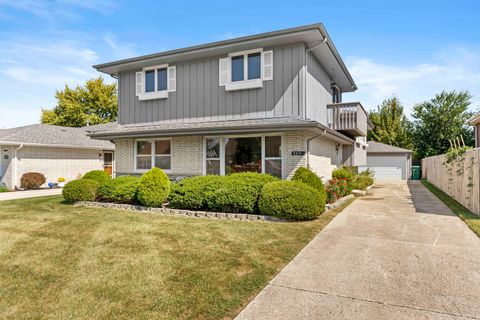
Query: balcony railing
[{"x": 349, "y": 118}]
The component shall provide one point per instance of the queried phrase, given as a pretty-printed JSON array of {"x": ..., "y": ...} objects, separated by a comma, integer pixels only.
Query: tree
[
  {"x": 439, "y": 120},
  {"x": 391, "y": 126},
  {"x": 93, "y": 103}
]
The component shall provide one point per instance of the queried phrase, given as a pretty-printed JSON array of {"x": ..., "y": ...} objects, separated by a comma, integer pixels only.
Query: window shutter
[
  {"x": 138, "y": 83},
  {"x": 267, "y": 57},
  {"x": 223, "y": 71},
  {"x": 172, "y": 79}
]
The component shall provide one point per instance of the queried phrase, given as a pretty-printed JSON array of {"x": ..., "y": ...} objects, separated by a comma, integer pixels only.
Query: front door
[{"x": 108, "y": 162}]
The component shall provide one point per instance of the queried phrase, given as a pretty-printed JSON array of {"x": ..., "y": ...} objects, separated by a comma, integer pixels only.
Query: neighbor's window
[
  {"x": 156, "y": 80},
  {"x": 251, "y": 70},
  {"x": 154, "y": 154},
  {"x": 273, "y": 155}
]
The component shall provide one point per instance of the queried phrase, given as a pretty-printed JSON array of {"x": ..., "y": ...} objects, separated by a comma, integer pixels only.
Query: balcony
[{"x": 349, "y": 118}]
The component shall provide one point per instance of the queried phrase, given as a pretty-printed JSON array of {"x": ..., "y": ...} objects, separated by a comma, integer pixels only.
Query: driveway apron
[{"x": 398, "y": 253}]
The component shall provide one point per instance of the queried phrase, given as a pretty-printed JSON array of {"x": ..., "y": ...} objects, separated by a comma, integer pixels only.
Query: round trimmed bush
[
  {"x": 239, "y": 192},
  {"x": 190, "y": 193},
  {"x": 291, "y": 200},
  {"x": 307, "y": 176},
  {"x": 121, "y": 189},
  {"x": 153, "y": 189},
  {"x": 98, "y": 175},
  {"x": 32, "y": 180},
  {"x": 80, "y": 190}
]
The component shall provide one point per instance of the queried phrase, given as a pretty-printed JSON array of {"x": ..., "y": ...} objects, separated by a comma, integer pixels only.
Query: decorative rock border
[
  {"x": 201, "y": 214},
  {"x": 338, "y": 203},
  {"x": 180, "y": 212}
]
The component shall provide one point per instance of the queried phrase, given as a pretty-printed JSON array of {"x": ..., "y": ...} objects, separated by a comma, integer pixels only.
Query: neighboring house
[
  {"x": 475, "y": 122},
  {"x": 388, "y": 162},
  {"x": 53, "y": 151},
  {"x": 269, "y": 103}
]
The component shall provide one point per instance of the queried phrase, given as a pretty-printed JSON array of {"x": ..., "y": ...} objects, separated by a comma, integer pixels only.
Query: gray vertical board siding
[
  {"x": 198, "y": 97},
  {"x": 318, "y": 90}
]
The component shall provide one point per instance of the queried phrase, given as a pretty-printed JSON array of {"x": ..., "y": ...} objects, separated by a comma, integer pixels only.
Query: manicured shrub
[
  {"x": 190, "y": 193},
  {"x": 32, "y": 180},
  {"x": 98, "y": 175},
  {"x": 336, "y": 188},
  {"x": 362, "y": 182},
  {"x": 307, "y": 176},
  {"x": 80, "y": 190},
  {"x": 239, "y": 192},
  {"x": 3, "y": 188},
  {"x": 346, "y": 174},
  {"x": 290, "y": 200},
  {"x": 153, "y": 189},
  {"x": 121, "y": 189}
]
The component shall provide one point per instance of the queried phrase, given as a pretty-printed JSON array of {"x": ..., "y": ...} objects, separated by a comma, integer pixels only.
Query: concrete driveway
[
  {"x": 29, "y": 194},
  {"x": 398, "y": 253}
]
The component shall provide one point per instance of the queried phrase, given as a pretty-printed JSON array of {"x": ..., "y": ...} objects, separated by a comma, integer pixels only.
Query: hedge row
[{"x": 300, "y": 199}]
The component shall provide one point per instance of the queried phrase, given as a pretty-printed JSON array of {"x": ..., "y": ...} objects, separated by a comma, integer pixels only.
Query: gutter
[{"x": 49, "y": 145}]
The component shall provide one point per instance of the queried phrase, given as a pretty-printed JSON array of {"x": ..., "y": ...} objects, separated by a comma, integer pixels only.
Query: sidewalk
[{"x": 29, "y": 194}]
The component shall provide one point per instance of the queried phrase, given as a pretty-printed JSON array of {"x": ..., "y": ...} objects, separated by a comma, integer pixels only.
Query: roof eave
[{"x": 52, "y": 145}]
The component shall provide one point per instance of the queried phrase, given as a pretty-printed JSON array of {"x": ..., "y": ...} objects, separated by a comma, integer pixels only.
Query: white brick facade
[
  {"x": 187, "y": 155},
  {"x": 52, "y": 162}
]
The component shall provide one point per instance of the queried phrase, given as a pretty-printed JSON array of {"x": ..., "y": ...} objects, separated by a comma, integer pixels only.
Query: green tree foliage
[
  {"x": 440, "y": 119},
  {"x": 94, "y": 103},
  {"x": 391, "y": 125}
]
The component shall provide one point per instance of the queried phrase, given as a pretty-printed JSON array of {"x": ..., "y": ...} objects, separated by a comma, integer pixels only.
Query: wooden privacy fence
[{"x": 459, "y": 179}]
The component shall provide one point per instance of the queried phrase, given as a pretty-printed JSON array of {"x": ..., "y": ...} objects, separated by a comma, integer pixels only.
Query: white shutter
[
  {"x": 223, "y": 71},
  {"x": 138, "y": 83},
  {"x": 172, "y": 78},
  {"x": 267, "y": 59}
]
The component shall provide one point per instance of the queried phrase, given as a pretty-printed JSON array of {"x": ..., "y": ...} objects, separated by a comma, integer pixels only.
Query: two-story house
[{"x": 270, "y": 102}]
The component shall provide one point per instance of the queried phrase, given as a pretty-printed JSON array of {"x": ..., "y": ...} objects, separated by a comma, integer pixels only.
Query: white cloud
[
  {"x": 119, "y": 50},
  {"x": 452, "y": 69}
]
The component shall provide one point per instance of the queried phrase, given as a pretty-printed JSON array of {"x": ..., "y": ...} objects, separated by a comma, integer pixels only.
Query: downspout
[
  {"x": 306, "y": 72},
  {"x": 308, "y": 146},
  {"x": 15, "y": 165}
]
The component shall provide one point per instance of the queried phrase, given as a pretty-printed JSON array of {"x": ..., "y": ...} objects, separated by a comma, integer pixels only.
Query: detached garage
[{"x": 388, "y": 162}]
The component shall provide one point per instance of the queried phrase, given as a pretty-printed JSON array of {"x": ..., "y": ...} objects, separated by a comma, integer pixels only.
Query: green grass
[
  {"x": 471, "y": 219},
  {"x": 63, "y": 262}
]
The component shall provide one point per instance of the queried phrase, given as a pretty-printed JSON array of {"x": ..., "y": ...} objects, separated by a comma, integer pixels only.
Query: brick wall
[{"x": 54, "y": 163}]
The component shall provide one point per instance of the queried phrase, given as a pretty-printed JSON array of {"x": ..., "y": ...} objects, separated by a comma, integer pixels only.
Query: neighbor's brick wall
[
  {"x": 7, "y": 177},
  {"x": 186, "y": 155},
  {"x": 54, "y": 163}
]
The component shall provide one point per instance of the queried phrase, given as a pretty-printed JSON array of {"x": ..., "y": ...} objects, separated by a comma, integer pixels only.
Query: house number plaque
[{"x": 298, "y": 153}]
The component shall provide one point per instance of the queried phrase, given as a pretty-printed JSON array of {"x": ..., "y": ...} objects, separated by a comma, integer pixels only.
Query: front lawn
[
  {"x": 471, "y": 219},
  {"x": 63, "y": 262}
]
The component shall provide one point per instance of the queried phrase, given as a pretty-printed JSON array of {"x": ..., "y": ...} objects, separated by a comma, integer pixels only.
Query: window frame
[
  {"x": 156, "y": 94},
  {"x": 222, "y": 150},
  {"x": 245, "y": 83},
  {"x": 152, "y": 154}
]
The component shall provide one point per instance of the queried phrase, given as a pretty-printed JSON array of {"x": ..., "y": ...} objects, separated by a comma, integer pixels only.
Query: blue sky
[{"x": 412, "y": 49}]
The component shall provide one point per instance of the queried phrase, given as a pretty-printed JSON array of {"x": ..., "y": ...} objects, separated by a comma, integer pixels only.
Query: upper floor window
[
  {"x": 155, "y": 82},
  {"x": 246, "y": 69}
]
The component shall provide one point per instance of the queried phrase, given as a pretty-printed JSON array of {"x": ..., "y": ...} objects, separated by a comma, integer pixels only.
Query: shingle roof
[
  {"x": 377, "y": 147},
  {"x": 223, "y": 126},
  {"x": 42, "y": 134}
]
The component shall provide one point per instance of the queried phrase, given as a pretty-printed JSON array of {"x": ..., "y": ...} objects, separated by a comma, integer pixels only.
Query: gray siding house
[{"x": 268, "y": 103}]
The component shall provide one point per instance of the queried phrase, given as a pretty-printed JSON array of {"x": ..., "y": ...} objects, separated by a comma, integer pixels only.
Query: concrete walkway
[
  {"x": 398, "y": 253},
  {"x": 29, "y": 194}
]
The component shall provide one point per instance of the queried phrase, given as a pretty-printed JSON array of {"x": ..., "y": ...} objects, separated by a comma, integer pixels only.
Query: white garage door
[
  {"x": 385, "y": 173},
  {"x": 388, "y": 166}
]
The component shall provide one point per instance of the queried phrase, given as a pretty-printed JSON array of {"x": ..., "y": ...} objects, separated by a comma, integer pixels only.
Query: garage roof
[{"x": 377, "y": 147}]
